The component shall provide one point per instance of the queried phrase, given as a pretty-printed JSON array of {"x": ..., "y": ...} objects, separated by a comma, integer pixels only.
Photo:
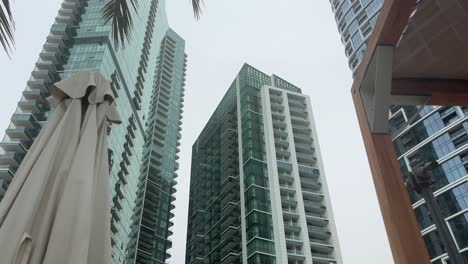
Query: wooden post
[{"x": 403, "y": 232}]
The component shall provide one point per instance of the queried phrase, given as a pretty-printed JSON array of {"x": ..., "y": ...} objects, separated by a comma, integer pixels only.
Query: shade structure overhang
[{"x": 417, "y": 54}]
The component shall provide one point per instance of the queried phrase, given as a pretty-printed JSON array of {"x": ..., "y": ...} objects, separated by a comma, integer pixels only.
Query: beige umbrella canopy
[{"x": 57, "y": 209}]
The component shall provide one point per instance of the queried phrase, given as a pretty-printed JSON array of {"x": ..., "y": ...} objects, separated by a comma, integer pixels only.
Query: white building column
[
  {"x": 323, "y": 180},
  {"x": 273, "y": 180},
  {"x": 297, "y": 181}
]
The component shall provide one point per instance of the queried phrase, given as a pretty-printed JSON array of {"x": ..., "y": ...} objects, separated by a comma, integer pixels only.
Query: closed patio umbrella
[{"x": 57, "y": 207}]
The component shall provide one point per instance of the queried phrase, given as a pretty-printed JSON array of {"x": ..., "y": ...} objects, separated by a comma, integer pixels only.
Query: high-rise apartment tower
[
  {"x": 148, "y": 95},
  {"x": 356, "y": 20},
  {"x": 258, "y": 192}
]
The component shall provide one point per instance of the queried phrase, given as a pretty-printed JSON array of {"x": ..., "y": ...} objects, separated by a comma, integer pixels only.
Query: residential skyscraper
[
  {"x": 258, "y": 192},
  {"x": 356, "y": 20},
  {"x": 148, "y": 95},
  {"x": 420, "y": 134},
  {"x": 156, "y": 190}
]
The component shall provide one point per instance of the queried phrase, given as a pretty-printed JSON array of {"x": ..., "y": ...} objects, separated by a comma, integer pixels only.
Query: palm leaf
[
  {"x": 7, "y": 26},
  {"x": 118, "y": 12},
  {"x": 197, "y": 8}
]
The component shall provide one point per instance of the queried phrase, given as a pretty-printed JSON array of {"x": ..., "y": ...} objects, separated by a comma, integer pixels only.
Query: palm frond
[
  {"x": 7, "y": 26},
  {"x": 197, "y": 8},
  {"x": 118, "y": 12}
]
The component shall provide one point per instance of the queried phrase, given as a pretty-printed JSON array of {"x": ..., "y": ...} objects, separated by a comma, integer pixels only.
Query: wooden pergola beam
[
  {"x": 402, "y": 229},
  {"x": 442, "y": 92}
]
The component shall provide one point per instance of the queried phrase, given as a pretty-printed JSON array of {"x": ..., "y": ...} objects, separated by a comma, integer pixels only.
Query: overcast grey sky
[{"x": 295, "y": 39}]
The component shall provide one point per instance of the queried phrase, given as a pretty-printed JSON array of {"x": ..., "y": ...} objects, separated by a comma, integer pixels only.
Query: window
[
  {"x": 433, "y": 244},
  {"x": 454, "y": 200},
  {"x": 459, "y": 226},
  {"x": 259, "y": 224},
  {"x": 257, "y": 198},
  {"x": 423, "y": 216},
  {"x": 261, "y": 259},
  {"x": 357, "y": 39}
]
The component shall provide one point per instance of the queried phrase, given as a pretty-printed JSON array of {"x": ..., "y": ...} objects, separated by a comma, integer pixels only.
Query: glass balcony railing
[
  {"x": 314, "y": 183},
  {"x": 295, "y": 252},
  {"x": 324, "y": 242},
  {"x": 322, "y": 255},
  {"x": 294, "y": 237},
  {"x": 319, "y": 231},
  {"x": 309, "y": 171}
]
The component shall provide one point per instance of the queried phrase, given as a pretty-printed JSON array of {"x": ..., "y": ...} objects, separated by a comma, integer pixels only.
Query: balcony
[
  {"x": 287, "y": 189},
  {"x": 306, "y": 159},
  {"x": 281, "y": 143},
  {"x": 295, "y": 254},
  {"x": 54, "y": 39},
  {"x": 42, "y": 74},
  {"x": 38, "y": 85},
  {"x": 278, "y": 115},
  {"x": 230, "y": 246},
  {"x": 21, "y": 133},
  {"x": 318, "y": 232},
  {"x": 326, "y": 257},
  {"x": 278, "y": 124},
  {"x": 6, "y": 173},
  {"x": 33, "y": 95},
  {"x": 306, "y": 139},
  {"x": 298, "y": 112},
  {"x": 297, "y": 103},
  {"x": 279, "y": 133},
  {"x": 285, "y": 178},
  {"x": 276, "y": 98},
  {"x": 24, "y": 120},
  {"x": 293, "y": 240},
  {"x": 45, "y": 65},
  {"x": 323, "y": 261},
  {"x": 320, "y": 246},
  {"x": 231, "y": 258},
  {"x": 277, "y": 107},
  {"x": 282, "y": 153},
  {"x": 292, "y": 227},
  {"x": 11, "y": 159},
  {"x": 58, "y": 28},
  {"x": 49, "y": 56},
  {"x": 229, "y": 221},
  {"x": 305, "y": 148},
  {"x": 299, "y": 121},
  {"x": 309, "y": 172},
  {"x": 313, "y": 184},
  {"x": 231, "y": 196},
  {"x": 230, "y": 231},
  {"x": 314, "y": 208},
  {"x": 313, "y": 196},
  {"x": 290, "y": 214},
  {"x": 301, "y": 130},
  {"x": 288, "y": 201},
  {"x": 316, "y": 219},
  {"x": 33, "y": 106},
  {"x": 13, "y": 146}
]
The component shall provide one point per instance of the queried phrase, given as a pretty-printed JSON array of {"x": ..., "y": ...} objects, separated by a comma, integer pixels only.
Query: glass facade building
[
  {"x": 356, "y": 20},
  {"x": 434, "y": 134},
  {"x": 155, "y": 195},
  {"x": 258, "y": 192},
  {"x": 79, "y": 40},
  {"x": 437, "y": 134}
]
